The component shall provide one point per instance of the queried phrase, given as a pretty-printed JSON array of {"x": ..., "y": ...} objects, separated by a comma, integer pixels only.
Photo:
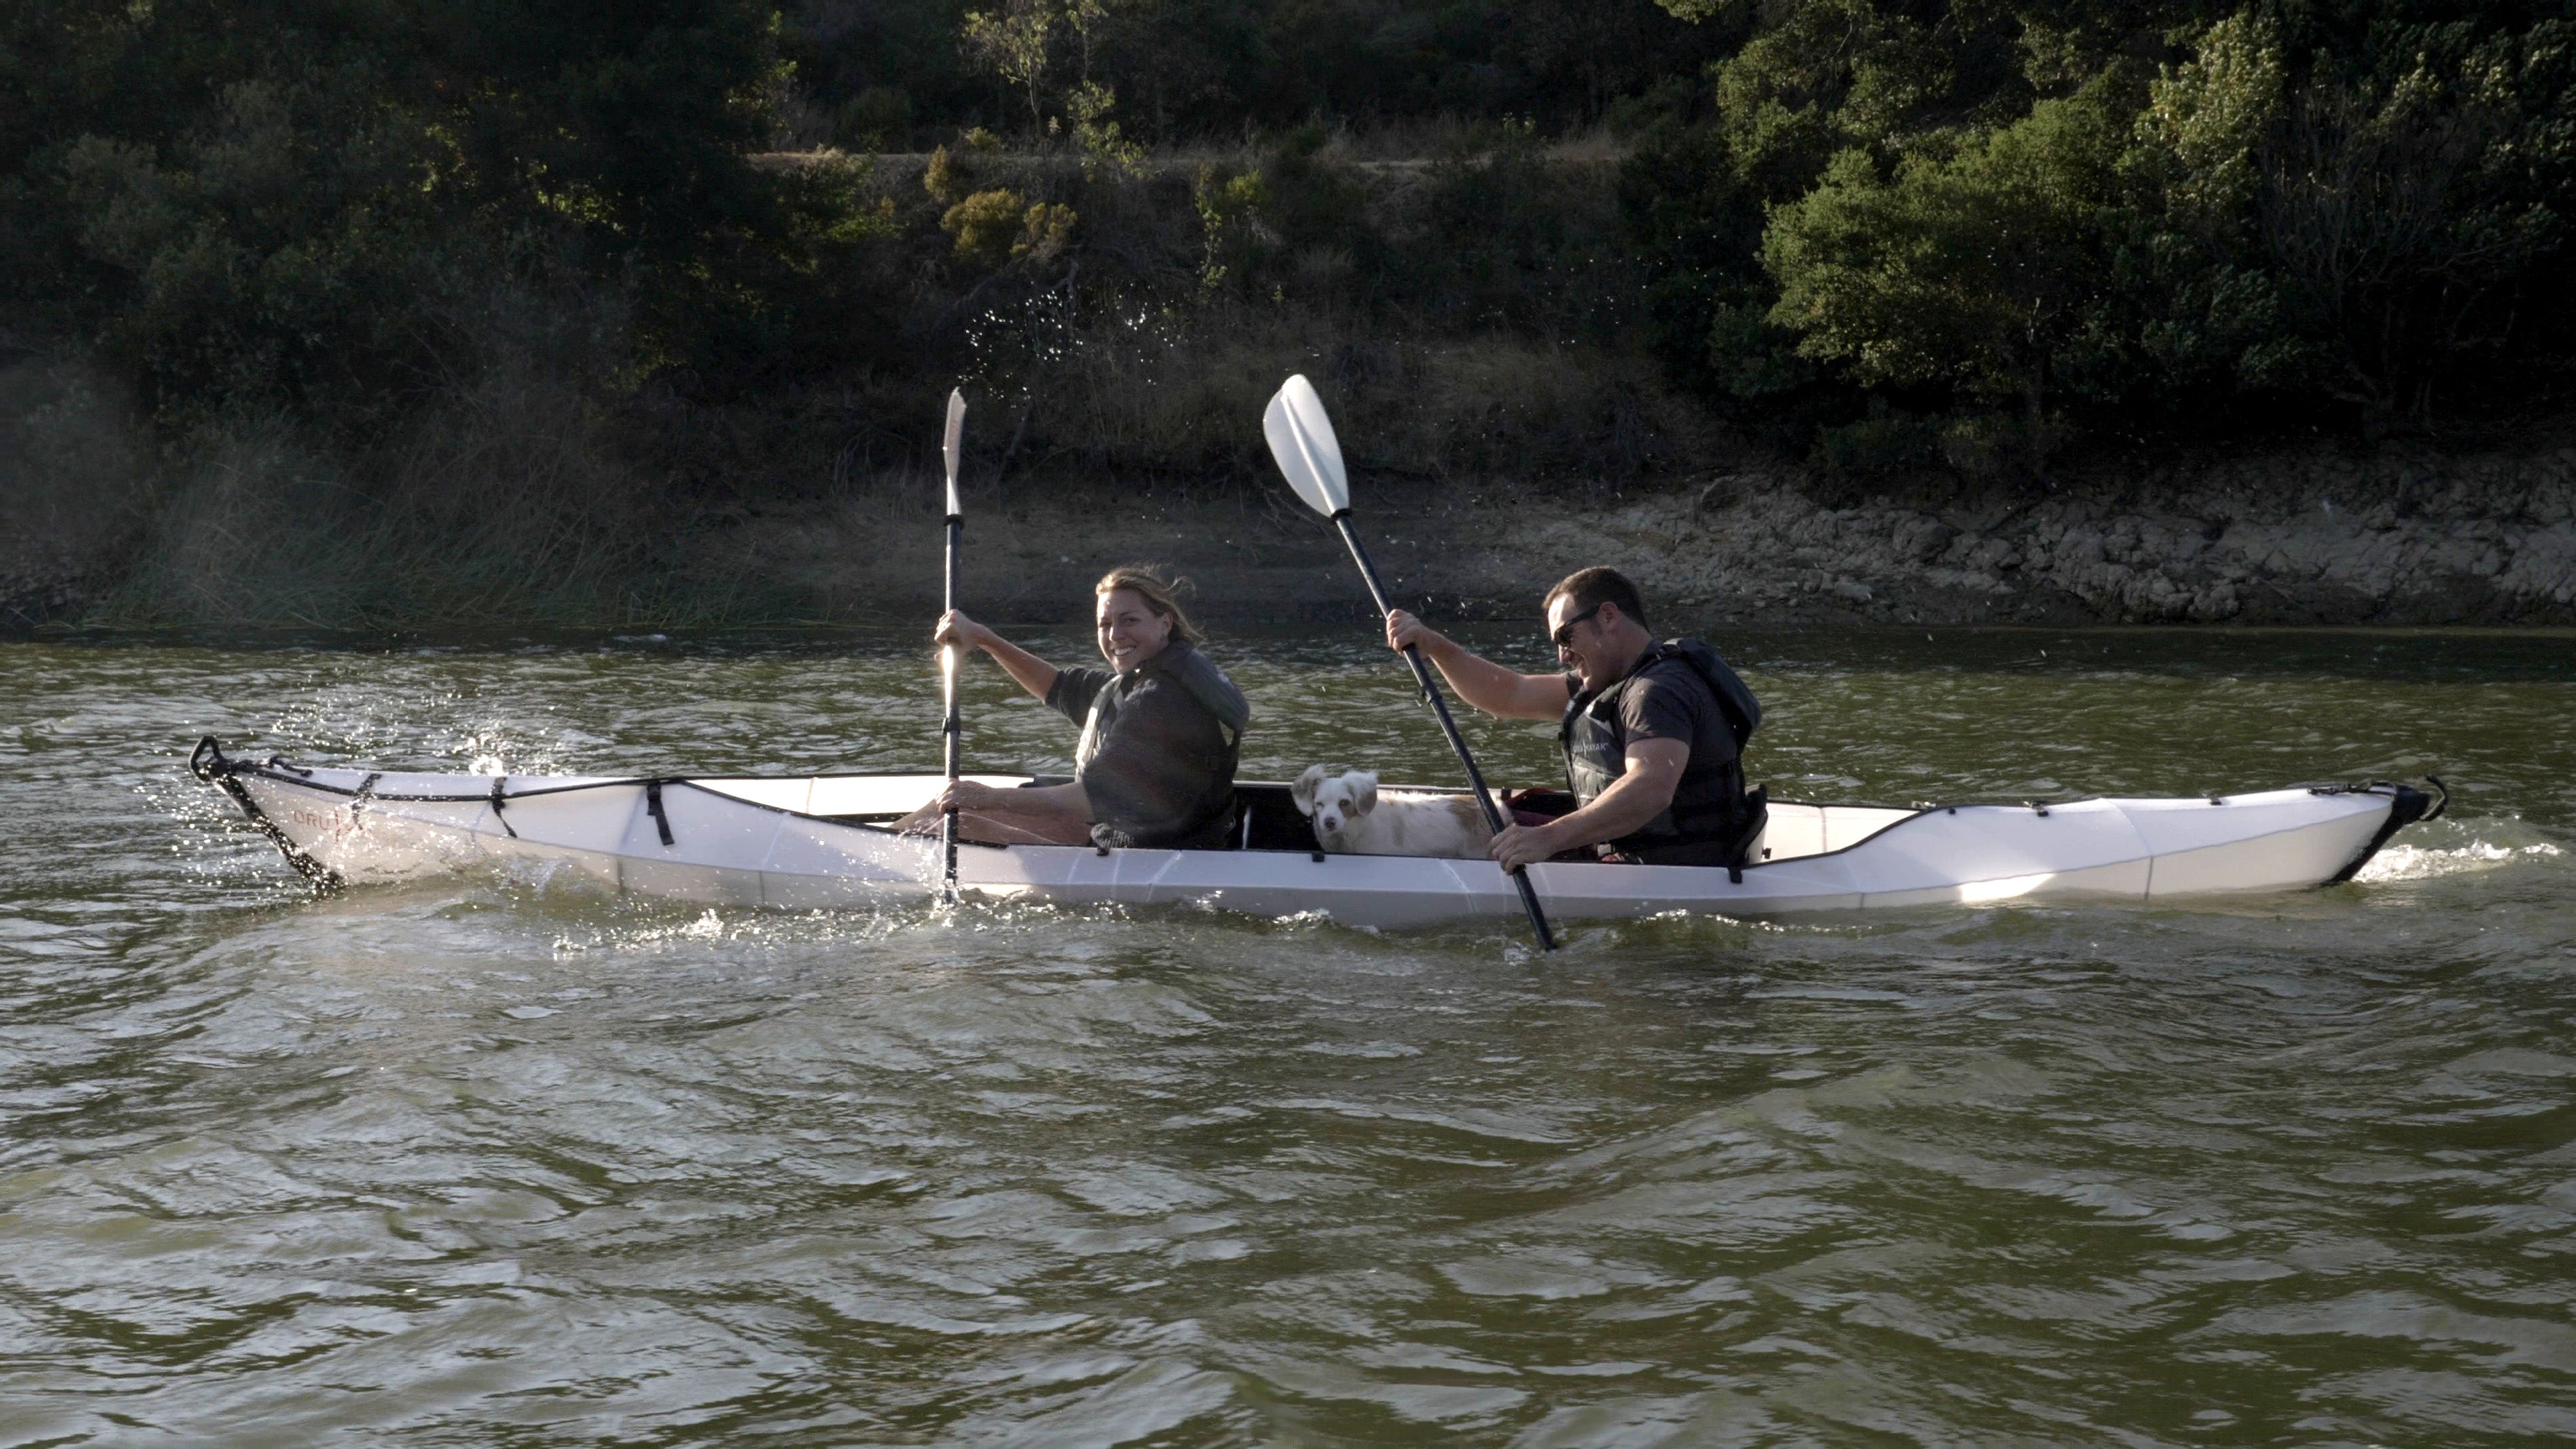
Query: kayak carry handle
[{"x": 207, "y": 760}]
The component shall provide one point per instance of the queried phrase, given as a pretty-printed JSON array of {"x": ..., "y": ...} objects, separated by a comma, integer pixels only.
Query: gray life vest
[
  {"x": 1184, "y": 665},
  {"x": 1212, "y": 814},
  {"x": 1709, "y": 805}
]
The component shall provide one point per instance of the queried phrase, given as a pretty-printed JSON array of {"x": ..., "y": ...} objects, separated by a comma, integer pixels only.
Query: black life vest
[{"x": 1710, "y": 805}]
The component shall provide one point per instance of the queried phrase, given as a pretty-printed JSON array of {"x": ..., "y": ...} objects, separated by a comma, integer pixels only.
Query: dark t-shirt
[
  {"x": 1667, "y": 700},
  {"x": 1156, "y": 764}
]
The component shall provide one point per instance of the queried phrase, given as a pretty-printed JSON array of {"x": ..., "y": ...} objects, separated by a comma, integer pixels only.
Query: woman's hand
[
  {"x": 958, "y": 795},
  {"x": 956, "y": 630},
  {"x": 967, "y": 795},
  {"x": 1403, "y": 631}
]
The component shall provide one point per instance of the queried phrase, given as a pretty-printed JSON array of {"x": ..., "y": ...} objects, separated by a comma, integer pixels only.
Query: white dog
[{"x": 1352, "y": 818}]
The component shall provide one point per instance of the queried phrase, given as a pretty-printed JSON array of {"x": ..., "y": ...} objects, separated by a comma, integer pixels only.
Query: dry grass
[
  {"x": 1182, "y": 397},
  {"x": 75, "y": 467},
  {"x": 530, "y": 488},
  {"x": 508, "y": 502},
  {"x": 522, "y": 498}
]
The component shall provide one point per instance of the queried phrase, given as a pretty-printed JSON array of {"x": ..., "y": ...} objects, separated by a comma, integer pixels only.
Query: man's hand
[
  {"x": 1403, "y": 631},
  {"x": 1515, "y": 846}
]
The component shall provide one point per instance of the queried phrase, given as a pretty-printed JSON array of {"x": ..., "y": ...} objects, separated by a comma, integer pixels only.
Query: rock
[
  {"x": 1923, "y": 539},
  {"x": 1723, "y": 491}
]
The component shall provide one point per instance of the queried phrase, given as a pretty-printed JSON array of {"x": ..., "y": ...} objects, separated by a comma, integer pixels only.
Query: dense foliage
[
  {"x": 331, "y": 205},
  {"x": 1972, "y": 227},
  {"x": 893, "y": 73},
  {"x": 1892, "y": 232}
]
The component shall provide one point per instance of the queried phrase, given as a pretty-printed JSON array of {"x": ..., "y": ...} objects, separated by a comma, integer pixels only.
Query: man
[{"x": 1652, "y": 733}]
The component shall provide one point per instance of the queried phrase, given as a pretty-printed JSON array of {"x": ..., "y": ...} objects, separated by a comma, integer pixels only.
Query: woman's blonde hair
[{"x": 1160, "y": 595}]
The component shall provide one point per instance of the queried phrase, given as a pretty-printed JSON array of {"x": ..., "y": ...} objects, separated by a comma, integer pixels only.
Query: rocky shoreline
[
  {"x": 2396, "y": 542},
  {"x": 2327, "y": 539}
]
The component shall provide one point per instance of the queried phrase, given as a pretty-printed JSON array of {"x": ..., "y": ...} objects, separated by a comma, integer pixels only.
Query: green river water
[{"x": 493, "y": 1161}]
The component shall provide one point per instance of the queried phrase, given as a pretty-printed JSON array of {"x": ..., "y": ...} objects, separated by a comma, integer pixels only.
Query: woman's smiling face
[{"x": 1130, "y": 632}]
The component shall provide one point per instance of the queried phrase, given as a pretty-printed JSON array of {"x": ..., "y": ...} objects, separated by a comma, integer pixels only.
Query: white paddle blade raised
[
  {"x": 956, "y": 432},
  {"x": 1302, "y": 443}
]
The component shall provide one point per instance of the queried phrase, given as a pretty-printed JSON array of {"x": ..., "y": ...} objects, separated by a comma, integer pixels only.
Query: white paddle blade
[
  {"x": 1302, "y": 443},
  {"x": 956, "y": 432}
]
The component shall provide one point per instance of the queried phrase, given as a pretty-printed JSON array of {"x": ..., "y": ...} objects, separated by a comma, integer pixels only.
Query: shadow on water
[{"x": 2393, "y": 653}]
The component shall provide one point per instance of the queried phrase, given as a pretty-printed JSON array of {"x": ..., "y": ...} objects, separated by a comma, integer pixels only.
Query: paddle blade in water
[{"x": 1302, "y": 443}]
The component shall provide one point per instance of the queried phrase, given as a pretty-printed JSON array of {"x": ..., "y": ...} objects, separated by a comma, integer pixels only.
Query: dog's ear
[
  {"x": 1303, "y": 792},
  {"x": 1363, "y": 791}
]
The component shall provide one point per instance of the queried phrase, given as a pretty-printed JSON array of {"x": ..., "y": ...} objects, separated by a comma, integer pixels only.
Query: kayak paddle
[
  {"x": 1302, "y": 443},
  {"x": 951, "y": 727}
]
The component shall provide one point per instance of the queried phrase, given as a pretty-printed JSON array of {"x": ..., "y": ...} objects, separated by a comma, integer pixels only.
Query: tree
[
  {"x": 278, "y": 202},
  {"x": 1015, "y": 43},
  {"x": 2369, "y": 232},
  {"x": 1977, "y": 269}
]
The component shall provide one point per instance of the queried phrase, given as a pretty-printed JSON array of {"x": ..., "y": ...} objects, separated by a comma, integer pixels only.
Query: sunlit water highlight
[{"x": 497, "y": 1160}]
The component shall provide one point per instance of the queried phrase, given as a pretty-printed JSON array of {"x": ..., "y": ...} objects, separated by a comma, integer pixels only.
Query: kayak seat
[{"x": 1270, "y": 819}]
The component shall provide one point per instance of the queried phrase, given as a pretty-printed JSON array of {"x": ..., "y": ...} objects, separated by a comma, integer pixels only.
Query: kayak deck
[{"x": 822, "y": 841}]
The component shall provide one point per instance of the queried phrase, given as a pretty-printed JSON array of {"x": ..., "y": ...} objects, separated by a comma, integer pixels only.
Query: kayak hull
[{"x": 822, "y": 843}]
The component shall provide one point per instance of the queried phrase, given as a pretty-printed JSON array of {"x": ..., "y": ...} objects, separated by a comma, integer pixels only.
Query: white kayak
[{"x": 823, "y": 842}]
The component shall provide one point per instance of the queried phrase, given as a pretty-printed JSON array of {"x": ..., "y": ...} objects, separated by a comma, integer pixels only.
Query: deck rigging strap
[
  {"x": 497, "y": 798},
  {"x": 653, "y": 806}
]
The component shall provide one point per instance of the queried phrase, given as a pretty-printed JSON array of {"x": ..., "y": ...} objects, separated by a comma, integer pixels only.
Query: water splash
[{"x": 2415, "y": 862}]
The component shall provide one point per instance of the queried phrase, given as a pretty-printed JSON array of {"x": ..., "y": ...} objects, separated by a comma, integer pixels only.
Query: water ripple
[{"x": 502, "y": 1160}]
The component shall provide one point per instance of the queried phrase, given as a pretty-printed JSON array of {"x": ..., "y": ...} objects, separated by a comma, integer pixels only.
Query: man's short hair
[{"x": 1590, "y": 588}]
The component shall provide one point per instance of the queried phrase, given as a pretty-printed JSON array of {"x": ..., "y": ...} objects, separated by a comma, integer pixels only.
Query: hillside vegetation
[{"x": 420, "y": 311}]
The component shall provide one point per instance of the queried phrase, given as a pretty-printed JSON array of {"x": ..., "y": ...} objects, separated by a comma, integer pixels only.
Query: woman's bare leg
[
  {"x": 1004, "y": 827},
  {"x": 993, "y": 828}
]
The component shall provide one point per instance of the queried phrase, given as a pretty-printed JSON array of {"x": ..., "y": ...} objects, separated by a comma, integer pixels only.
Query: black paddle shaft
[
  {"x": 952, "y": 727},
  {"x": 1448, "y": 726}
]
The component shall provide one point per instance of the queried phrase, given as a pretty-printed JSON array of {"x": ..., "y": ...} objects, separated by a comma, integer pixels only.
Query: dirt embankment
[
  {"x": 2285, "y": 539},
  {"x": 2322, "y": 536}
]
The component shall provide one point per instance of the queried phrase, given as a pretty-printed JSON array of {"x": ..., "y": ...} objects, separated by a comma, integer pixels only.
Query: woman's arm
[
  {"x": 1045, "y": 815},
  {"x": 1027, "y": 670},
  {"x": 1053, "y": 801},
  {"x": 1481, "y": 682}
]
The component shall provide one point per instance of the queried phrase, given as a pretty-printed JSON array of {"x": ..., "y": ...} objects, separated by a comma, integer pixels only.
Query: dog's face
[{"x": 1334, "y": 802}]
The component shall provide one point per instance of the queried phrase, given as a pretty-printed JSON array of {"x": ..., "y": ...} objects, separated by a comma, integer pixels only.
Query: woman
[{"x": 1161, "y": 728}]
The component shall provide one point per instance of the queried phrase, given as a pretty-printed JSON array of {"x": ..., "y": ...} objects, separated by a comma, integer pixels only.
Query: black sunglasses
[{"x": 1563, "y": 634}]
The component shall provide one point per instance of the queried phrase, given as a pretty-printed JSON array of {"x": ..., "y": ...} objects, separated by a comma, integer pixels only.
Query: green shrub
[{"x": 1982, "y": 269}]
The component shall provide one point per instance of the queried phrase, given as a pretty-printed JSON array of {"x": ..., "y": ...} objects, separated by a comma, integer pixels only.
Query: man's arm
[
  {"x": 1481, "y": 682},
  {"x": 1644, "y": 791}
]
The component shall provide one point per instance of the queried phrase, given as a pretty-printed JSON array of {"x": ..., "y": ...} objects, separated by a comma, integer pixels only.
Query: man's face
[{"x": 1585, "y": 642}]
